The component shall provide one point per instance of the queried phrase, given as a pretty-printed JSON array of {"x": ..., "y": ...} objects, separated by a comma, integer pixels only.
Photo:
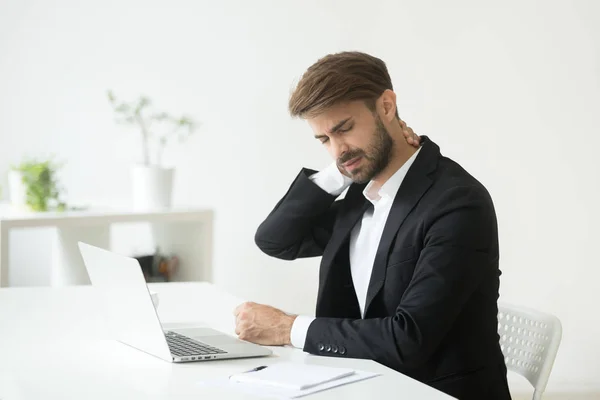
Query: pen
[
  {"x": 256, "y": 369},
  {"x": 253, "y": 370}
]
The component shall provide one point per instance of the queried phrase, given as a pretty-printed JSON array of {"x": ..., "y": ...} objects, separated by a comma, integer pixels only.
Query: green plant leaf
[
  {"x": 160, "y": 116},
  {"x": 123, "y": 108},
  {"x": 39, "y": 178}
]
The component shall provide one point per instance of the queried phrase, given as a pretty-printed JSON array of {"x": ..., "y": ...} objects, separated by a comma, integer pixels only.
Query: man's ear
[{"x": 387, "y": 104}]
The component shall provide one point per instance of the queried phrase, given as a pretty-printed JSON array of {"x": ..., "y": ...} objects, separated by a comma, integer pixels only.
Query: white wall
[{"x": 510, "y": 89}]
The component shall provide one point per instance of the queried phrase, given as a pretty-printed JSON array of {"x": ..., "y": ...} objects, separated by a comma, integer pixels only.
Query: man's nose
[{"x": 338, "y": 148}]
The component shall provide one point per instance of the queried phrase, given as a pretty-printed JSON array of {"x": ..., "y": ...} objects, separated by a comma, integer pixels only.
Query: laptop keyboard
[{"x": 182, "y": 346}]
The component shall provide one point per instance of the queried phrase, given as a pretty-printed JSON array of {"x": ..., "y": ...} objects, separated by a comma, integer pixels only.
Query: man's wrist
[
  {"x": 331, "y": 180},
  {"x": 286, "y": 329},
  {"x": 300, "y": 330}
]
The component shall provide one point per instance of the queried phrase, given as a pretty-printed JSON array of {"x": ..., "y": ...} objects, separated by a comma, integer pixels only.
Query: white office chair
[{"x": 529, "y": 340}]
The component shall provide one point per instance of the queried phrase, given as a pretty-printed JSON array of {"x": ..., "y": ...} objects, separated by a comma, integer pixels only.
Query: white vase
[
  {"x": 152, "y": 187},
  {"x": 17, "y": 190}
]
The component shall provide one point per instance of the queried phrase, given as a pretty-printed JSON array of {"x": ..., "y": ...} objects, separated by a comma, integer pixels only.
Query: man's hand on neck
[
  {"x": 411, "y": 137},
  {"x": 403, "y": 150}
]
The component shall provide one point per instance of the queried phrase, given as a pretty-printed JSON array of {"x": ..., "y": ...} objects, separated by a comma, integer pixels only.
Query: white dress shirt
[{"x": 365, "y": 236}]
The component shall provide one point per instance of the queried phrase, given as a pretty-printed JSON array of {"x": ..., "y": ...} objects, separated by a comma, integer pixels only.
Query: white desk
[
  {"x": 54, "y": 345},
  {"x": 187, "y": 233}
]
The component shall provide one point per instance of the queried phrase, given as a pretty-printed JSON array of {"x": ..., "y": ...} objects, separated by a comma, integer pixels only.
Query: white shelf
[
  {"x": 184, "y": 232},
  {"x": 20, "y": 219}
]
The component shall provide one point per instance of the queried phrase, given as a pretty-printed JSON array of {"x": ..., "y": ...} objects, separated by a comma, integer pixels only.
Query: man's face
[{"x": 356, "y": 138}]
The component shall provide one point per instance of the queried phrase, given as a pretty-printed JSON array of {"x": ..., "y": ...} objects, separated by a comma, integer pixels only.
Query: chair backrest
[{"x": 529, "y": 340}]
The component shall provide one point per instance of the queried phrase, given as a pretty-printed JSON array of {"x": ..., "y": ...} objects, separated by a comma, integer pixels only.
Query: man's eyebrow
[
  {"x": 335, "y": 128},
  {"x": 339, "y": 125}
]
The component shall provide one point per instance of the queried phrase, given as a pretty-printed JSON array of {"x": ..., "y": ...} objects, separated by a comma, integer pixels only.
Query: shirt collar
[{"x": 391, "y": 186}]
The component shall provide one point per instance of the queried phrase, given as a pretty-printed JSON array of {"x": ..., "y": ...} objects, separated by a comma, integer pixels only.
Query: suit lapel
[
  {"x": 411, "y": 190},
  {"x": 353, "y": 208}
]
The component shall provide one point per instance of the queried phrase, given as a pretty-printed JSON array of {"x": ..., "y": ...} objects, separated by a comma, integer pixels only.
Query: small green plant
[
  {"x": 43, "y": 190},
  {"x": 139, "y": 113}
]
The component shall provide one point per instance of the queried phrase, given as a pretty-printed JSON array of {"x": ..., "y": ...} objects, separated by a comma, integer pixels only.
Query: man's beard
[{"x": 376, "y": 158}]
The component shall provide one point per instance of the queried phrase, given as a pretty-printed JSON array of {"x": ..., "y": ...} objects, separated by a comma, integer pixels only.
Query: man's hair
[{"x": 337, "y": 78}]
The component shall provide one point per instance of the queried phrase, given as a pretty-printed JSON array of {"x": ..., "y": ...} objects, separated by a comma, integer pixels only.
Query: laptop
[{"x": 134, "y": 321}]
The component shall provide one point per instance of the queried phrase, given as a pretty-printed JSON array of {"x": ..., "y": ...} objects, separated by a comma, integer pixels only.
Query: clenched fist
[{"x": 262, "y": 324}]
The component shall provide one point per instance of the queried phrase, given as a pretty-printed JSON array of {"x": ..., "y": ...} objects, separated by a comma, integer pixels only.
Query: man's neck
[{"x": 400, "y": 155}]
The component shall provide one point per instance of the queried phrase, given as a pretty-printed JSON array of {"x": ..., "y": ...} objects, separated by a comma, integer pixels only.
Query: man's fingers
[
  {"x": 241, "y": 307},
  {"x": 409, "y": 134},
  {"x": 411, "y": 137},
  {"x": 242, "y": 329},
  {"x": 237, "y": 310}
]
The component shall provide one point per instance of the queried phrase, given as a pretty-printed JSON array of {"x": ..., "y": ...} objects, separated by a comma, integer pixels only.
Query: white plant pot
[
  {"x": 152, "y": 187},
  {"x": 17, "y": 190}
]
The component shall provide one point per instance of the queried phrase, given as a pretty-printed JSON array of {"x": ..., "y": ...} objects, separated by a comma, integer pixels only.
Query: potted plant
[
  {"x": 33, "y": 186},
  {"x": 152, "y": 182}
]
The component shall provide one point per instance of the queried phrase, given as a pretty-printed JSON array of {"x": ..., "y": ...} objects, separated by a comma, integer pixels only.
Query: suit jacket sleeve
[
  {"x": 457, "y": 253},
  {"x": 301, "y": 223}
]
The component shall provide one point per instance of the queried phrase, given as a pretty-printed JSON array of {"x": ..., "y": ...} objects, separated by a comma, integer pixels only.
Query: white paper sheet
[
  {"x": 280, "y": 393},
  {"x": 292, "y": 376}
]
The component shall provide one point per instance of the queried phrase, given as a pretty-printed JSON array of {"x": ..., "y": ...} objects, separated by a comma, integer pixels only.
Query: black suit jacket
[{"x": 431, "y": 308}]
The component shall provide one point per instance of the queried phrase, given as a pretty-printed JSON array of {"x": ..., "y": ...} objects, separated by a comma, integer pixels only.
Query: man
[{"x": 409, "y": 273}]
